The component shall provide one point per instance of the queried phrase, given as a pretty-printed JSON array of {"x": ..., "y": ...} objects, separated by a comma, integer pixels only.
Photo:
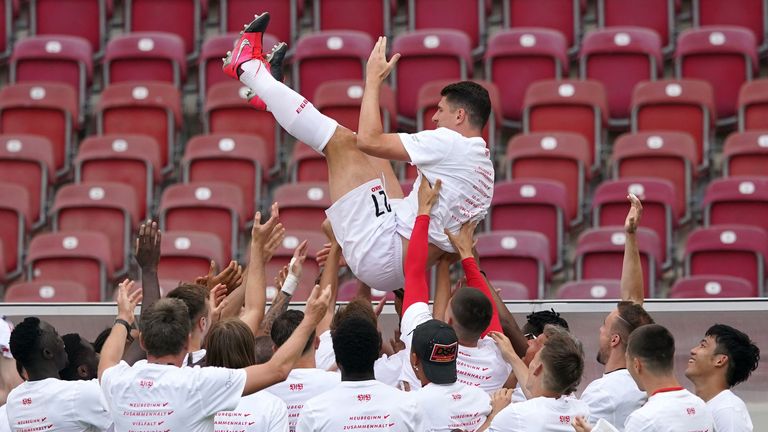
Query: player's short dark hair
[
  {"x": 563, "y": 358},
  {"x": 195, "y": 297},
  {"x": 98, "y": 343},
  {"x": 26, "y": 342},
  {"x": 654, "y": 345},
  {"x": 165, "y": 327},
  {"x": 630, "y": 317},
  {"x": 743, "y": 354},
  {"x": 537, "y": 320},
  {"x": 285, "y": 325},
  {"x": 262, "y": 347},
  {"x": 473, "y": 98},
  {"x": 359, "y": 307},
  {"x": 472, "y": 310},
  {"x": 229, "y": 343},
  {"x": 356, "y": 343},
  {"x": 77, "y": 354}
]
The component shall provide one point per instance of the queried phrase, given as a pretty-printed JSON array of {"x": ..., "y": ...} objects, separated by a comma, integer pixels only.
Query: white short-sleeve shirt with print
[
  {"x": 300, "y": 386},
  {"x": 613, "y": 397},
  {"x": 454, "y": 406},
  {"x": 540, "y": 414},
  {"x": 671, "y": 411},
  {"x": 257, "y": 412},
  {"x": 730, "y": 413}
]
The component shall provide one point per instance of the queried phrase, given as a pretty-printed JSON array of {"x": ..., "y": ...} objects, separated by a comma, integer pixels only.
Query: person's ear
[
  {"x": 538, "y": 369},
  {"x": 47, "y": 354},
  {"x": 721, "y": 360},
  {"x": 317, "y": 343},
  {"x": 83, "y": 372},
  {"x": 637, "y": 365},
  {"x": 615, "y": 340},
  {"x": 141, "y": 342},
  {"x": 415, "y": 360}
]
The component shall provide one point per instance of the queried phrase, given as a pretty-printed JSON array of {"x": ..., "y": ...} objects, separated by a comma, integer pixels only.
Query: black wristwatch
[{"x": 127, "y": 325}]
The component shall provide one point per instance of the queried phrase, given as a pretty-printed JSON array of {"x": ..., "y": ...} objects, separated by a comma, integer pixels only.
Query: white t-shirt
[
  {"x": 53, "y": 404},
  {"x": 613, "y": 397},
  {"x": 388, "y": 369},
  {"x": 197, "y": 356},
  {"x": 671, "y": 411},
  {"x": 4, "y": 426},
  {"x": 157, "y": 395},
  {"x": 541, "y": 414},
  {"x": 452, "y": 406},
  {"x": 5, "y": 338},
  {"x": 301, "y": 386},
  {"x": 257, "y": 412},
  {"x": 361, "y": 405},
  {"x": 481, "y": 366},
  {"x": 325, "y": 358},
  {"x": 518, "y": 395},
  {"x": 729, "y": 412},
  {"x": 466, "y": 171}
]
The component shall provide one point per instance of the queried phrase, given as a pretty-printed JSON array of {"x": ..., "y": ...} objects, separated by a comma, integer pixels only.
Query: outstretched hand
[
  {"x": 464, "y": 240},
  {"x": 317, "y": 304},
  {"x": 378, "y": 68},
  {"x": 428, "y": 195},
  {"x": 128, "y": 297},
  {"x": 635, "y": 212},
  {"x": 148, "y": 246}
]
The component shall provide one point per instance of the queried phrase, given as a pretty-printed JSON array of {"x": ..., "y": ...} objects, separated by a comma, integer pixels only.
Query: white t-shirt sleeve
[
  {"x": 306, "y": 421},
  {"x": 427, "y": 147},
  {"x": 325, "y": 358},
  {"x": 601, "y": 404},
  {"x": 387, "y": 369},
  {"x": 416, "y": 314},
  {"x": 279, "y": 417},
  {"x": 508, "y": 420},
  {"x": 731, "y": 419},
  {"x": 92, "y": 407},
  {"x": 221, "y": 388},
  {"x": 638, "y": 423},
  {"x": 5, "y": 338},
  {"x": 108, "y": 375}
]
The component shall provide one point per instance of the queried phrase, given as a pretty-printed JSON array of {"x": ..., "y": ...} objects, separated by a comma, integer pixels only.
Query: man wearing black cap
[{"x": 445, "y": 403}]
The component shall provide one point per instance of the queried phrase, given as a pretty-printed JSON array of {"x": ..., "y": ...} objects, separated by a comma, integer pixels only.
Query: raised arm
[
  {"x": 112, "y": 351},
  {"x": 508, "y": 324},
  {"x": 256, "y": 281},
  {"x": 330, "y": 277},
  {"x": 442, "y": 288},
  {"x": 147, "y": 255},
  {"x": 287, "y": 288},
  {"x": 416, "y": 287},
  {"x": 632, "y": 271}
]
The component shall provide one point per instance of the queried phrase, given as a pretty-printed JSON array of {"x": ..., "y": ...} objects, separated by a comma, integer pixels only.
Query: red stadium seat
[
  {"x": 284, "y": 16},
  {"x": 558, "y": 156},
  {"x": 519, "y": 256},
  {"x": 368, "y": 16},
  {"x": 511, "y": 290},
  {"x": 753, "y": 105},
  {"x": 568, "y": 106},
  {"x": 307, "y": 165},
  {"x": 620, "y": 57},
  {"x": 47, "y": 291},
  {"x": 45, "y": 109},
  {"x": 180, "y": 17},
  {"x": 145, "y": 56},
  {"x": 466, "y": 16},
  {"x": 446, "y": 54},
  {"x": 227, "y": 112},
  {"x": 561, "y": 15},
  {"x": 712, "y": 287},
  {"x": 6, "y": 27},
  {"x": 531, "y": 205},
  {"x": 600, "y": 253},
  {"x": 187, "y": 255},
  {"x": 662, "y": 155},
  {"x": 737, "y": 201},
  {"x": 529, "y": 55},
  {"x": 610, "y": 207},
  {"x": 726, "y": 57},
  {"x": 62, "y": 59},
  {"x": 77, "y": 256},
  {"x": 746, "y": 154},
  {"x": 341, "y": 99},
  {"x": 240, "y": 160},
  {"x": 656, "y": 15},
  {"x": 216, "y": 208},
  {"x": 736, "y": 250},
  {"x": 147, "y": 108},
  {"x": 14, "y": 225},
  {"x": 82, "y": 18},
  {"x": 677, "y": 105},
  {"x": 590, "y": 289},
  {"x": 302, "y": 205},
  {"x": 27, "y": 161},
  {"x": 133, "y": 160},
  {"x": 750, "y": 14},
  {"x": 283, "y": 254}
]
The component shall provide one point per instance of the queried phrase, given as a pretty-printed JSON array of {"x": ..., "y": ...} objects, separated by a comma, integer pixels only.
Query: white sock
[{"x": 294, "y": 112}]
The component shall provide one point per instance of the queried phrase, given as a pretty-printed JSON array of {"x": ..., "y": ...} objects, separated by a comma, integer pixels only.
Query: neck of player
[
  {"x": 707, "y": 387},
  {"x": 367, "y": 376},
  {"x": 653, "y": 384},
  {"x": 42, "y": 371},
  {"x": 174, "y": 360},
  {"x": 616, "y": 360}
]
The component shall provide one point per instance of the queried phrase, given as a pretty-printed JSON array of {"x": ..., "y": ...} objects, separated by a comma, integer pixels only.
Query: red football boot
[
  {"x": 247, "y": 47},
  {"x": 274, "y": 62}
]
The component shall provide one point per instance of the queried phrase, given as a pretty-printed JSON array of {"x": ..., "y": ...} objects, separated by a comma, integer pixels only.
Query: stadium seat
[
  {"x": 531, "y": 205},
  {"x": 590, "y": 289},
  {"x": 561, "y": 15},
  {"x": 656, "y": 15},
  {"x": 600, "y": 254},
  {"x": 283, "y": 254},
  {"x": 466, "y": 16},
  {"x": 368, "y": 16},
  {"x": 82, "y": 18},
  {"x": 47, "y": 291},
  {"x": 746, "y": 154},
  {"x": 712, "y": 287},
  {"x": 209, "y": 62},
  {"x": 341, "y": 100},
  {"x": 737, "y": 201},
  {"x": 519, "y": 256},
  {"x": 753, "y": 105},
  {"x": 227, "y": 112},
  {"x": 619, "y": 58},
  {"x": 145, "y": 56},
  {"x": 27, "y": 161},
  {"x": 529, "y": 55},
  {"x": 45, "y": 109},
  {"x": 750, "y": 14},
  {"x": 133, "y": 160},
  {"x": 187, "y": 255},
  {"x": 677, "y": 105},
  {"x": 6, "y": 28},
  {"x": 62, "y": 59},
  {"x": 557, "y": 156},
  {"x": 329, "y": 55},
  {"x": 307, "y": 165},
  {"x": 240, "y": 160},
  {"x": 726, "y": 57},
  {"x": 736, "y": 250},
  {"x": 446, "y": 54},
  {"x": 510, "y": 290},
  {"x": 302, "y": 205},
  {"x": 180, "y": 17},
  {"x": 77, "y": 256},
  {"x": 147, "y": 108},
  {"x": 284, "y": 16},
  {"x": 568, "y": 106},
  {"x": 216, "y": 208},
  {"x": 15, "y": 222},
  {"x": 663, "y": 155},
  {"x": 610, "y": 207}
]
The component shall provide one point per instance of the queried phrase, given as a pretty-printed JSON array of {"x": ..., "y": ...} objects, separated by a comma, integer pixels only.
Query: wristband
[
  {"x": 127, "y": 327},
  {"x": 290, "y": 284}
]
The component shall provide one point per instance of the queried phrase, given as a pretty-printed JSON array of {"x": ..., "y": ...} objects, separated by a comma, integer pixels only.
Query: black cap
[{"x": 436, "y": 345}]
